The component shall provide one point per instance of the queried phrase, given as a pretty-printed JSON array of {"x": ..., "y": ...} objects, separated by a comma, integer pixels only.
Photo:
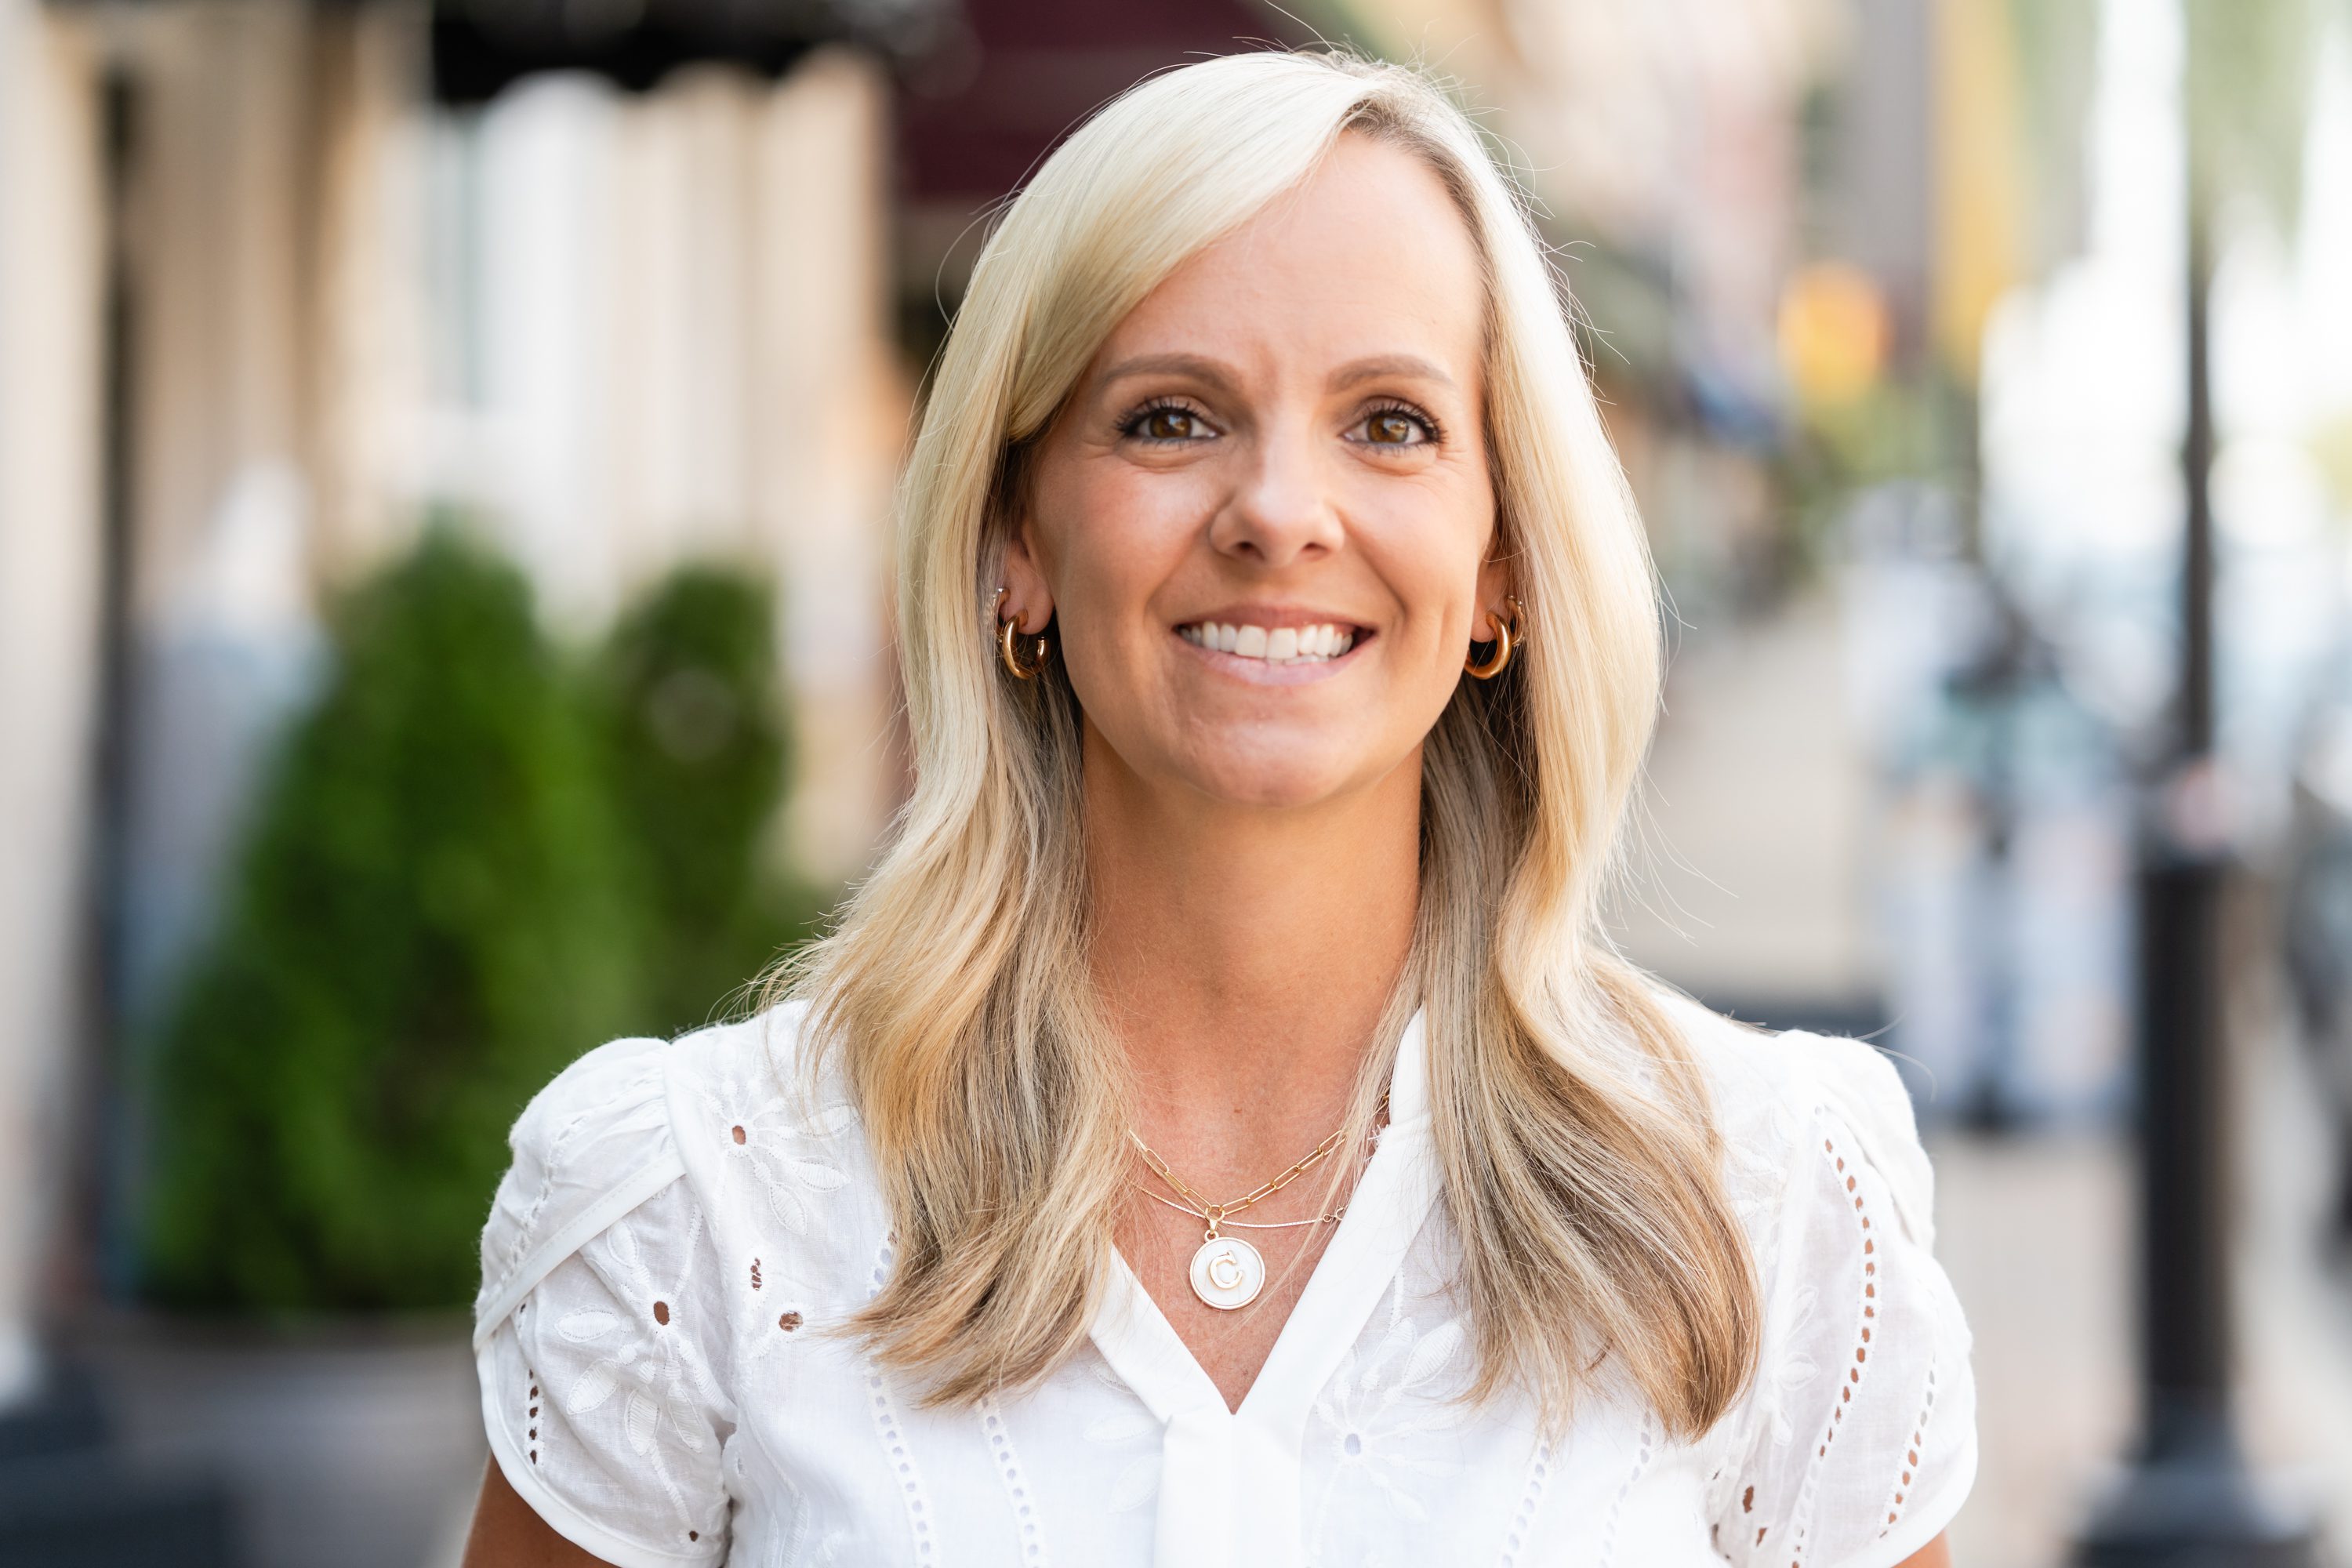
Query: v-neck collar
[{"x": 1230, "y": 1475}]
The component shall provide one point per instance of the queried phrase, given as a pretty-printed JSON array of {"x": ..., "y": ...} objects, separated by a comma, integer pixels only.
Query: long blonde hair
[{"x": 1579, "y": 1160}]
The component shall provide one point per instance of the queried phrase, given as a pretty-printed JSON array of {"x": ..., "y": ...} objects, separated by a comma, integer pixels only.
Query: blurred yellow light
[{"x": 1835, "y": 331}]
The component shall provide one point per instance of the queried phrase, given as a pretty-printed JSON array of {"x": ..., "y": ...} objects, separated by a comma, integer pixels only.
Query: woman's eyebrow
[
  {"x": 1213, "y": 373},
  {"x": 1412, "y": 366},
  {"x": 1207, "y": 372}
]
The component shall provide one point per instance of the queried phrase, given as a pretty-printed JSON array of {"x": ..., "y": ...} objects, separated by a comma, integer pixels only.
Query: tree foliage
[
  {"x": 697, "y": 747},
  {"x": 2248, "y": 79},
  {"x": 472, "y": 862}
]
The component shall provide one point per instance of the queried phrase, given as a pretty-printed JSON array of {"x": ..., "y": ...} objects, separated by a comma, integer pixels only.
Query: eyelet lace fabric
[
  {"x": 683, "y": 1230},
  {"x": 1858, "y": 1439}
]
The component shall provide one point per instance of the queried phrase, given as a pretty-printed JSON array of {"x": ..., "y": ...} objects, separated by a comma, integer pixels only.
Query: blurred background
[{"x": 445, "y": 452}]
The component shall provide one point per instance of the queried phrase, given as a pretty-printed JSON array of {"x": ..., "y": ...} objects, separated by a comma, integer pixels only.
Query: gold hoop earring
[
  {"x": 1009, "y": 635},
  {"x": 1506, "y": 639}
]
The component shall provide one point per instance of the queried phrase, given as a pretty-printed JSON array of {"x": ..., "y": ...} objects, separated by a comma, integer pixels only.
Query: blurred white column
[
  {"x": 50, "y": 565},
  {"x": 833, "y": 413},
  {"x": 223, "y": 216},
  {"x": 533, "y": 291},
  {"x": 672, "y": 342},
  {"x": 685, "y": 331},
  {"x": 368, "y": 367},
  {"x": 757, "y": 413}
]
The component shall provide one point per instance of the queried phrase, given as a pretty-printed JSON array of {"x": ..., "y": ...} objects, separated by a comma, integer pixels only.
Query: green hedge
[
  {"x": 693, "y": 727},
  {"x": 472, "y": 862}
]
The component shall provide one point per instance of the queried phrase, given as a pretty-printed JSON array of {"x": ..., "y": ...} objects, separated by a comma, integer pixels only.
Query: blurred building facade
[{"x": 268, "y": 307}]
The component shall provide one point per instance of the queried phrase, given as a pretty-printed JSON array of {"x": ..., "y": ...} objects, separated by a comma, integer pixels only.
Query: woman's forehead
[{"x": 1368, "y": 257}]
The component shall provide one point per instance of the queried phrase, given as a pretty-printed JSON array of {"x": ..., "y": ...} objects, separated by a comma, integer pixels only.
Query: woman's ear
[
  {"x": 1494, "y": 590},
  {"x": 1028, "y": 600}
]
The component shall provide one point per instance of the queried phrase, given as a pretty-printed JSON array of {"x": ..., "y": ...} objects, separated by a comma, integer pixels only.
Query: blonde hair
[{"x": 1580, "y": 1158}]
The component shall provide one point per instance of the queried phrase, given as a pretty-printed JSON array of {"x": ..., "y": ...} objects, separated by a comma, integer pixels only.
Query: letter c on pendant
[{"x": 1227, "y": 1272}]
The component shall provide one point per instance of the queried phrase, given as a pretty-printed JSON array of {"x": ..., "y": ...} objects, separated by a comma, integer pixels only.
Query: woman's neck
[{"x": 1245, "y": 955}]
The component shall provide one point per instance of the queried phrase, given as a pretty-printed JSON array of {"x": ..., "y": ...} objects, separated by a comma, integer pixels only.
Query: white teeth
[{"x": 1280, "y": 645}]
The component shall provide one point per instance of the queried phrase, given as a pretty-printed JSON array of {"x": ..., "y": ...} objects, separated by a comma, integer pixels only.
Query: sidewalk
[{"x": 2039, "y": 1238}]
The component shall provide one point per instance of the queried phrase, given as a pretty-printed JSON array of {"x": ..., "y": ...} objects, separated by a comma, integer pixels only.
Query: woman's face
[{"x": 1263, "y": 521}]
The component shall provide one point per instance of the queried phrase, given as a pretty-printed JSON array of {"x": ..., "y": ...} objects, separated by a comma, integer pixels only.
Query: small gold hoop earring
[
  {"x": 1009, "y": 638},
  {"x": 1505, "y": 640}
]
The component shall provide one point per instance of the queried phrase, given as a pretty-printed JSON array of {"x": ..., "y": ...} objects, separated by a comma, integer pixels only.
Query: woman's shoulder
[
  {"x": 613, "y": 1130},
  {"x": 1777, "y": 1095},
  {"x": 1855, "y": 1440}
]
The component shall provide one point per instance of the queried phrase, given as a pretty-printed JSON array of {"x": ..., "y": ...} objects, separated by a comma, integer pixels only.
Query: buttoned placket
[{"x": 1229, "y": 1480}]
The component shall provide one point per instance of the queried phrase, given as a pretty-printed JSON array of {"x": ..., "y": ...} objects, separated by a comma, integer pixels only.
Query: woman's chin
[{"x": 1280, "y": 784}]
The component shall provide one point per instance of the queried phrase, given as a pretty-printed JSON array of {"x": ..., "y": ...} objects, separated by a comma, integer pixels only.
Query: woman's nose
[{"x": 1281, "y": 509}]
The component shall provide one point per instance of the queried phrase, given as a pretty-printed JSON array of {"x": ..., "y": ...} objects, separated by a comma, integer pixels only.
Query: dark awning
[{"x": 480, "y": 46}]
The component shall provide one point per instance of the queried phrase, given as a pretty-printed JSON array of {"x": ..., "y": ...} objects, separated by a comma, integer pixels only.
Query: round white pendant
[{"x": 1227, "y": 1273}]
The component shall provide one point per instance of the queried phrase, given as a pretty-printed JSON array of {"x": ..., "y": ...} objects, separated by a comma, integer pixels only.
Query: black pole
[
  {"x": 2189, "y": 1500},
  {"x": 121, "y": 103},
  {"x": 2196, "y": 718}
]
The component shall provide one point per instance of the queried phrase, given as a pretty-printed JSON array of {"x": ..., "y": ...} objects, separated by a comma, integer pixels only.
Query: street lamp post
[{"x": 2189, "y": 1500}]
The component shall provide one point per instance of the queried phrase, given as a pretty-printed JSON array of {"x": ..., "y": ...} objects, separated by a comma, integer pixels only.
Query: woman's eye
[
  {"x": 1168, "y": 423},
  {"x": 1393, "y": 428}
]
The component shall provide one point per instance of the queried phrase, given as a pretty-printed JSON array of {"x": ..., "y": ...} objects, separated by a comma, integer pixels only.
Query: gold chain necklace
[{"x": 1227, "y": 1272}]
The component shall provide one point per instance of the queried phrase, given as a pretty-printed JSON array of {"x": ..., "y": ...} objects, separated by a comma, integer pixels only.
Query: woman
[{"x": 1217, "y": 1132}]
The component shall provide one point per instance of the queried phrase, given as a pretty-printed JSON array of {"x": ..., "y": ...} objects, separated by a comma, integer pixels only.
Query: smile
[{"x": 1276, "y": 645}]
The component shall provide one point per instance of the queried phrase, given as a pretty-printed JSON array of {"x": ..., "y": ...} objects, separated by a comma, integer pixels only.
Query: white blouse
[{"x": 680, "y": 1229}]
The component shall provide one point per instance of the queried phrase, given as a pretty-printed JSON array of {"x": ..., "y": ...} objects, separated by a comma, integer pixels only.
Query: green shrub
[
  {"x": 471, "y": 864},
  {"x": 697, "y": 749},
  {"x": 431, "y": 916}
]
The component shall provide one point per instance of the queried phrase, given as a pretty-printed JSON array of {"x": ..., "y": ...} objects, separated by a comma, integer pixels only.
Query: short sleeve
[
  {"x": 1856, "y": 1445},
  {"x": 600, "y": 1335}
]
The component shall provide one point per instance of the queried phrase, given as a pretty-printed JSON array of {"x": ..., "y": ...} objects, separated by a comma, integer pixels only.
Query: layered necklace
[{"x": 1227, "y": 1273}]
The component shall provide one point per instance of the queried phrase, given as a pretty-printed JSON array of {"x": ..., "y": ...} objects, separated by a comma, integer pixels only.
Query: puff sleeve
[
  {"x": 600, "y": 1336},
  {"x": 1856, "y": 1445}
]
